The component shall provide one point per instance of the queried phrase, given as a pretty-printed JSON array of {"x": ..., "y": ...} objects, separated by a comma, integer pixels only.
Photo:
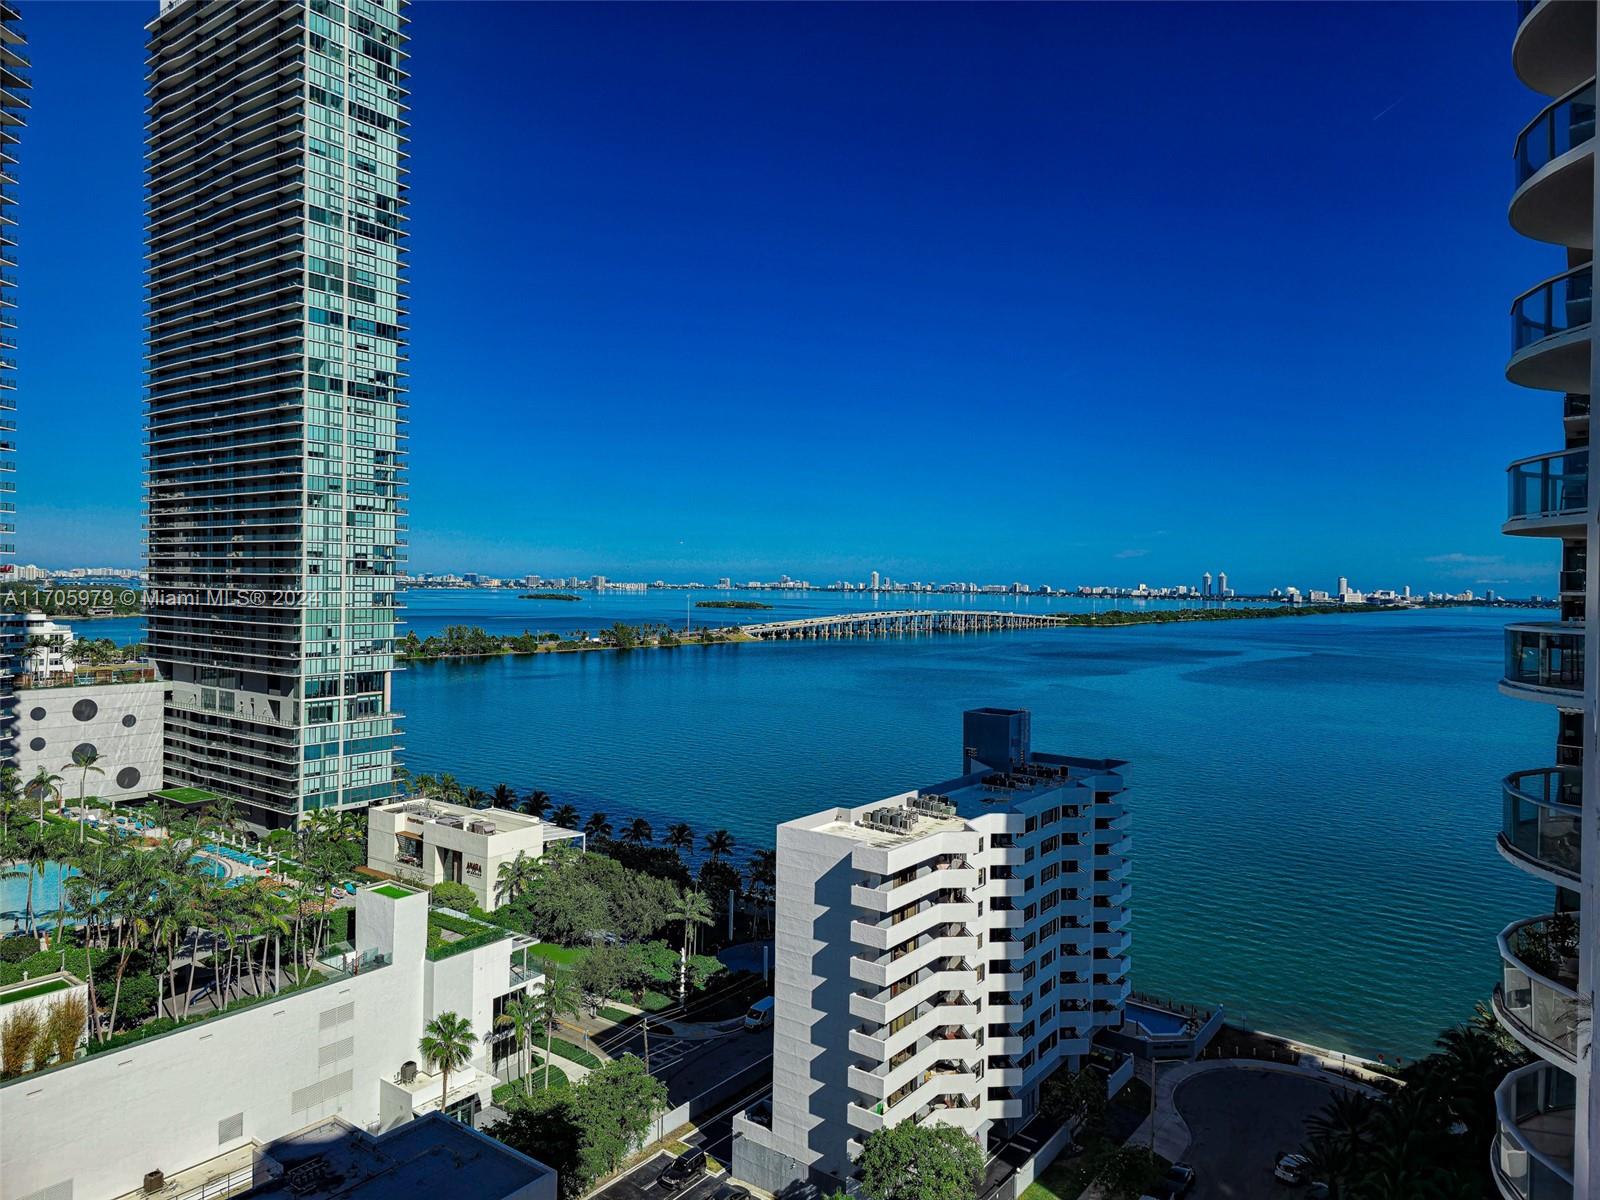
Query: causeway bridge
[{"x": 908, "y": 622}]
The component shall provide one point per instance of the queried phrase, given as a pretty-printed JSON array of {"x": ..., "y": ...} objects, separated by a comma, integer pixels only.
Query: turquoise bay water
[{"x": 1315, "y": 798}]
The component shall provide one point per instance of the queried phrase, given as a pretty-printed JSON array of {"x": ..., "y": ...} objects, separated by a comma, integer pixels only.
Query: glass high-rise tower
[
  {"x": 14, "y": 86},
  {"x": 275, "y": 358}
]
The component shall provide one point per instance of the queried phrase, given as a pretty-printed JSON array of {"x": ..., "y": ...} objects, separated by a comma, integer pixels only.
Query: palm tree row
[{"x": 119, "y": 903}]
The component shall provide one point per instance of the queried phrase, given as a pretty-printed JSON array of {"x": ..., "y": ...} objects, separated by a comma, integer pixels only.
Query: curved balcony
[
  {"x": 1537, "y": 999},
  {"x": 1548, "y": 494},
  {"x": 1532, "y": 1154},
  {"x": 1550, "y": 333},
  {"x": 1553, "y": 50},
  {"x": 1554, "y": 200},
  {"x": 1540, "y": 829},
  {"x": 1544, "y": 661}
]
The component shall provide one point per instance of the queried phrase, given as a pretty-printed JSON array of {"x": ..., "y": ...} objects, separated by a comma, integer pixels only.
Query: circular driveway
[{"x": 1239, "y": 1121}]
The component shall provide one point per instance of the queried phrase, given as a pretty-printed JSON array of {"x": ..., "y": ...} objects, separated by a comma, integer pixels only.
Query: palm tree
[
  {"x": 502, "y": 796},
  {"x": 34, "y": 850},
  {"x": 561, "y": 997},
  {"x": 638, "y": 832},
  {"x": 449, "y": 788},
  {"x": 566, "y": 816},
  {"x": 522, "y": 1013},
  {"x": 446, "y": 1046},
  {"x": 536, "y": 803},
  {"x": 761, "y": 872},
  {"x": 43, "y": 786},
  {"x": 597, "y": 826},
  {"x": 718, "y": 843},
  {"x": 680, "y": 837},
  {"x": 516, "y": 877},
  {"x": 693, "y": 910},
  {"x": 84, "y": 759}
]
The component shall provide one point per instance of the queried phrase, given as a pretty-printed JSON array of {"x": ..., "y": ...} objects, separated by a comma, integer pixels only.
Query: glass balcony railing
[
  {"x": 1554, "y": 306},
  {"x": 1543, "y": 818},
  {"x": 1546, "y": 655},
  {"x": 1532, "y": 1155},
  {"x": 1537, "y": 997},
  {"x": 1567, "y": 123},
  {"x": 1550, "y": 485}
]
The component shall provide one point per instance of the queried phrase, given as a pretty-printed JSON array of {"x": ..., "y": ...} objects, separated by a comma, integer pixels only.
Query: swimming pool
[
  {"x": 46, "y": 895},
  {"x": 1158, "y": 1022},
  {"x": 210, "y": 866}
]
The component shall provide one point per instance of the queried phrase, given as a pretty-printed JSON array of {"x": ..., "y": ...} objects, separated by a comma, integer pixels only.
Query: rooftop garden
[
  {"x": 38, "y": 989},
  {"x": 394, "y": 891}
]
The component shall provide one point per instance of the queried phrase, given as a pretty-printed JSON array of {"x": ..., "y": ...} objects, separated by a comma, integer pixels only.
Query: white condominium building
[
  {"x": 429, "y": 841},
  {"x": 1549, "y": 1110},
  {"x": 942, "y": 952}
]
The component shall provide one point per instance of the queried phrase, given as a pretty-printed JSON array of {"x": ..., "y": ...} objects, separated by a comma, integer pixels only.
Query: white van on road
[{"x": 760, "y": 1014}]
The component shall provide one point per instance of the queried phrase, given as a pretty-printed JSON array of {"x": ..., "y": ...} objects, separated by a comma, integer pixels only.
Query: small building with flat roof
[{"x": 430, "y": 841}]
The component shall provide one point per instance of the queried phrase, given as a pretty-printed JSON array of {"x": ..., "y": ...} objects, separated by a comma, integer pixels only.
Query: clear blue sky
[{"x": 1064, "y": 294}]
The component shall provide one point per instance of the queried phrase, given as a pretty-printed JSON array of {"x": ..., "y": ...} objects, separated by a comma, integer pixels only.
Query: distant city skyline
[{"x": 716, "y": 344}]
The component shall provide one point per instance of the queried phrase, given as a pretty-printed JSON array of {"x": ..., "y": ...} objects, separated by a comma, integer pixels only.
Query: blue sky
[{"x": 1066, "y": 294}]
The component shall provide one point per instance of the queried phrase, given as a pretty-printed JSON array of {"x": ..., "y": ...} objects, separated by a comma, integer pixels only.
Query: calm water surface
[{"x": 1315, "y": 798}]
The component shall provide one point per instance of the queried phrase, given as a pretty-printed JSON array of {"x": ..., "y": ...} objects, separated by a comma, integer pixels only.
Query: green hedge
[
  {"x": 48, "y": 961},
  {"x": 454, "y": 924},
  {"x": 442, "y": 949}
]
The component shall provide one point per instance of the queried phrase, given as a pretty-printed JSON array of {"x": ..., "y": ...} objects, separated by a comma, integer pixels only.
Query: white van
[{"x": 760, "y": 1014}]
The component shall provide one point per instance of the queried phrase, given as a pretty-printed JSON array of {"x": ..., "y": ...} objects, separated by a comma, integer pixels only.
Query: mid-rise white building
[
  {"x": 429, "y": 841},
  {"x": 198, "y": 1101},
  {"x": 47, "y": 649},
  {"x": 942, "y": 952}
]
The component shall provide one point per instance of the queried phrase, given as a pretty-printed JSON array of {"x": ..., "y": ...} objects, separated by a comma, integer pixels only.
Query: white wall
[
  {"x": 52, "y": 722},
  {"x": 100, "y": 1123}
]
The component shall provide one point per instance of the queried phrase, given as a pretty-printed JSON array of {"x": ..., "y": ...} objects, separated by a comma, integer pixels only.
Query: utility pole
[{"x": 646, "y": 1028}]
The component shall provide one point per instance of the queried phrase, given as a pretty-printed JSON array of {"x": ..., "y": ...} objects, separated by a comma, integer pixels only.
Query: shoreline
[{"x": 1115, "y": 618}]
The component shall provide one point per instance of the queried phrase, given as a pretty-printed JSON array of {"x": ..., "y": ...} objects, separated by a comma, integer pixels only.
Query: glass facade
[{"x": 276, "y": 397}]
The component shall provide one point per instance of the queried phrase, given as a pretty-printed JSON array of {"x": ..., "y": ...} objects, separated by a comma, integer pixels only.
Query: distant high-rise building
[
  {"x": 1548, "y": 1112},
  {"x": 14, "y": 86},
  {"x": 1205, "y": 584},
  {"x": 1222, "y": 583},
  {"x": 1344, "y": 585},
  {"x": 276, "y": 368},
  {"x": 874, "y": 581}
]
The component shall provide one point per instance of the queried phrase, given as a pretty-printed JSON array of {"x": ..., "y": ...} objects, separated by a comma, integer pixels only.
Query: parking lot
[
  {"x": 1240, "y": 1121},
  {"x": 640, "y": 1184}
]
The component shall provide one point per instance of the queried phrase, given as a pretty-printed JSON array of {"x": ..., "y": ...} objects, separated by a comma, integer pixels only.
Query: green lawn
[
  {"x": 565, "y": 1049},
  {"x": 186, "y": 795},
  {"x": 562, "y": 956},
  {"x": 615, "y": 1014},
  {"x": 394, "y": 891},
  {"x": 38, "y": 989},
  {"x": 507, "y": 1091}
]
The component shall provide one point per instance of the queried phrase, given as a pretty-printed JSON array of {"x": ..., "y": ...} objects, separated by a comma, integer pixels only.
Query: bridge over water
[{"x": 907, "y": 622}]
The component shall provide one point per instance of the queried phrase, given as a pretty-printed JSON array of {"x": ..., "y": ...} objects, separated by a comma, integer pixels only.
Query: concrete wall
[
  {"x": 811, "y": 987},
  {"x": 123, "y": 721}
]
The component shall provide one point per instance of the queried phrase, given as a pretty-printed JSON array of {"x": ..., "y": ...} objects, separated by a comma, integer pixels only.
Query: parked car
[
  {"x": 683, "y": 1170},
  {"x": 1291, "y": 1168},
  {"x": 760, "y": 1014}
]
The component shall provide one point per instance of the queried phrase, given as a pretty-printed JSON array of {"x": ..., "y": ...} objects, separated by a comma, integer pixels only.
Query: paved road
[
  {"x": 689, "y": 1066},
  {"x": 640, "y": 1184},
  {"x": 1240, "y": 1121}
]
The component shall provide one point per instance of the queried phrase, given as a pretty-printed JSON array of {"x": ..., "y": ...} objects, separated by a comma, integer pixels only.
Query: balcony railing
[
  {"x": 1567, "y": 123},
  {"x": 1543, "y": 817},
  {"x": 1549, "y": 485},
  {"x": 1554, "y": 306},
  {"x": 1537, "y": 997},
  {"x": 1532, "y": 1156},
  {"x": 1546, "y": 656}
]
